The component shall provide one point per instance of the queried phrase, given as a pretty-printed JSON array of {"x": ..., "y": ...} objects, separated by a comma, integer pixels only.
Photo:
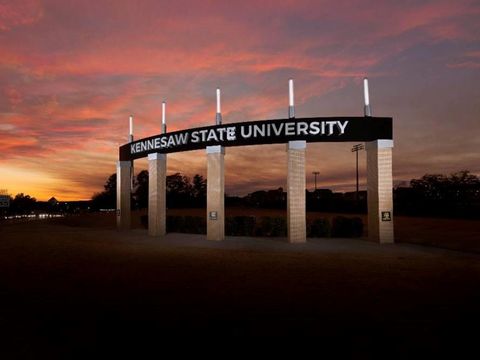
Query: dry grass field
[{"x": 70, "y": 286}]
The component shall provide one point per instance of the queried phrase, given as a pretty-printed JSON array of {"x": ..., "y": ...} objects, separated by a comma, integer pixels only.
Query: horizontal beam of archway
[{"x": 318, "y": 129}]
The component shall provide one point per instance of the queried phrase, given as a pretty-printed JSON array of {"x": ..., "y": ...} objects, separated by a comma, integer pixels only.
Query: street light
[
  {"x": 356, "y": 149},
  {"x": 315, "y": 173}
]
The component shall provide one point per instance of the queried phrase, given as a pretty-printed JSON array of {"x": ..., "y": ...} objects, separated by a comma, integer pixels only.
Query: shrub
[
  {"x": 240, "y": 226},
  {"x": 144, "y": 221},
  {"x": 318, "y": 228},
  {"x": 175, "y": 224},
  {"x": 347, "y": 227},
  {"x": 264, "y": 226},
  {"x": 194, "y": 225},
  {"x": 271, "y": 226},
  {"x": 279, "y": 227}
]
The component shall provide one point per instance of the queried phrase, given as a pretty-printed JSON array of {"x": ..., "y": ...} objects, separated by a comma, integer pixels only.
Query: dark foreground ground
[{"x": 68, "y": 290}]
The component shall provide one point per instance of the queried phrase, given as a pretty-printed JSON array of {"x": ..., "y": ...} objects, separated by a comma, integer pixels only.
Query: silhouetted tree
[
  {"x": 108, "y": 197},
  {"x": 111, "y": 184},
  {"x": 178, "y": 183},
  {"x": 22, "y": 204},
  {"x": 141, "y": 190},
  {"x": 271, "y": 199},
  {"x": 179, "y": 191},
  {"x": 457, "y": 195},
  {"x": 199, "y": 190}
]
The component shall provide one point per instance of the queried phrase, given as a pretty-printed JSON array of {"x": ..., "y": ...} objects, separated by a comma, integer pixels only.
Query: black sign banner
[{"x": 319, "y": 129}]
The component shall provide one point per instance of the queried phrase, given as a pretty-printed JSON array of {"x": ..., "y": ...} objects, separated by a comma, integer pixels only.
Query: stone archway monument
[{"x": 376, "y": 132}]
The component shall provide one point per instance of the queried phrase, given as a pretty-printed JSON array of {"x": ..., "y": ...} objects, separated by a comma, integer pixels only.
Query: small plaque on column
[{"x": 386, "y": 216}]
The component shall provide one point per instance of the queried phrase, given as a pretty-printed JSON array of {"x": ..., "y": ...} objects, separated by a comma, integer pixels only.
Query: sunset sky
[{"x": 72, "y": 71}]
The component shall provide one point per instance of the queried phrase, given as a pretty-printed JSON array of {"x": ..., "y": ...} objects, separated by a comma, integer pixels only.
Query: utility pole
[
  {"x": 315, "y": 173},
  {"x": 356, "y": 149}
]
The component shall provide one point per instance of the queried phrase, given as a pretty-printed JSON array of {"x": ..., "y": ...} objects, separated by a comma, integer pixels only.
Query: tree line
[
  {"x": 456, "y": 196},
  {"x": 181, "y": 192}
]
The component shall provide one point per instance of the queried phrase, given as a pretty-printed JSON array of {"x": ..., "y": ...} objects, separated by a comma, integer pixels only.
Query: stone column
[
  {"x": 157, "y": 213},
  {"x": 379, "y": 191},
  {"x": 215, "y": 193},
  {"x": 296, "y": 213},
  {"x": 123, "y": 194}
]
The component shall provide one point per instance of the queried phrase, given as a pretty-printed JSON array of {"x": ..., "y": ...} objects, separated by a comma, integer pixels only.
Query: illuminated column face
[
  {"x": 296, "y": 205},
  {"x": 215, "y": 193},
  {"x": 123, "y": 194},
  {"x": 379, "y": 191},
  {"x": 157, "y": 214}
]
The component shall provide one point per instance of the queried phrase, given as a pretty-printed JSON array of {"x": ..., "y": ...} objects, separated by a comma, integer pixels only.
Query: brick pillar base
[
  {"x": 215, "y": 193},
  {"x": 157, "y": 171},
  {"x": 124, "y": 169},
  {"x": 296, "y": 214},
  {"x": 379, "y": 191}
]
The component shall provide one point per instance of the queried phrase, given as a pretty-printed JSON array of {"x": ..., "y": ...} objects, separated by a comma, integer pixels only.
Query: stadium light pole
[{"x": 356, "y": 148}]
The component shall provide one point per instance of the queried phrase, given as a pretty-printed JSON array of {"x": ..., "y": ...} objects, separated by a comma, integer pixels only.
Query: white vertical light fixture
[
  {"x": 218, "y": 115},
  {"x": 130, "y": 136},
  {"x": 367, "y": 109},
  {"x": 291, "y": 102},
  {"x": 164, "y": 119}
]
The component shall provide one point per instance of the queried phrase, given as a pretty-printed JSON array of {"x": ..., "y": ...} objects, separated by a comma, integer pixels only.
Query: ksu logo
[{"x": 386, "y": 216}]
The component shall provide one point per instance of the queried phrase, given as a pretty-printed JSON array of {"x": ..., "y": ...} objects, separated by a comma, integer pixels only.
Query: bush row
[{"x": 265, "y": 226}]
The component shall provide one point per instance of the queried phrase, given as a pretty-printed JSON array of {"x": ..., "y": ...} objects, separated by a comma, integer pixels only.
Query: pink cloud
[
  {"x": 19, "y": 13},
  {"x": 469, "y": 60}
]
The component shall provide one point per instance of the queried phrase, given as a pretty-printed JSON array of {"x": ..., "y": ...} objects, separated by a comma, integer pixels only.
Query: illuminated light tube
[
  {"x": 367, "y": 109},
  {"x": 164, "y": 118},
  {"x": 219, "y": 111},
  {"x": 163, "y": 113},
  {"x": 290, "y": 93},
  {"x": 365, "y": 92},
  {"x": 218, "y": 115},
  {"x": 130, "y": 136},
  {"x": 291, "y": 103}
]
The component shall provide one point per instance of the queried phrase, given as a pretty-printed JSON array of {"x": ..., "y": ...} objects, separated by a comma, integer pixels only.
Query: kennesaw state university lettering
[
  {"x": 262, "y": 132},
  {"x": 229, "y": 133}
]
